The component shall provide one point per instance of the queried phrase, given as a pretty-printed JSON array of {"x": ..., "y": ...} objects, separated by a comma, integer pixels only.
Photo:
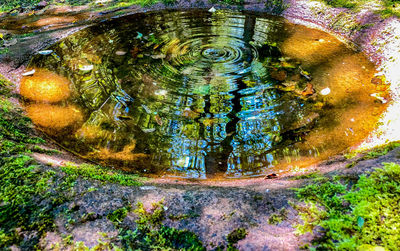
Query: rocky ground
[{"x": 210, "y": 209}]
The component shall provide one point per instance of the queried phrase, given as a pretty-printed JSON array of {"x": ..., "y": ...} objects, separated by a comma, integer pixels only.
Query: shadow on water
[{"x": 203, "y": 95}]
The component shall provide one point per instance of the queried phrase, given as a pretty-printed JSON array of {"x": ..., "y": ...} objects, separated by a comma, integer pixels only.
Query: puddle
[{"x": 204, "y": 95}]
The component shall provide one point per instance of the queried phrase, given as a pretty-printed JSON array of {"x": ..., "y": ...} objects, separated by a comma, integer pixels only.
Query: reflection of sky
[{"x": 215, "y": 110}]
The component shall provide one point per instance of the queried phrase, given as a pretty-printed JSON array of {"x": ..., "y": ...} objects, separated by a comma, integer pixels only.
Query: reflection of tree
[{"x": 164, "y": 100}]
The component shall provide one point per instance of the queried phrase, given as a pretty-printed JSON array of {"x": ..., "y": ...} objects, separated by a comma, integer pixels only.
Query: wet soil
[{"x": 217, "y": 207}]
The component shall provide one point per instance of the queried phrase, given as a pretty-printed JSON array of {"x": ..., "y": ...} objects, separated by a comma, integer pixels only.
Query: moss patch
[
  {"x": 354, "y": 216},
  {"x": 102, "y": 174}
]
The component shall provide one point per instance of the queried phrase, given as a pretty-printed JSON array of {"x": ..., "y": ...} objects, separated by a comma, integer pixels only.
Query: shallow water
[{"x": 204, "y": 95}]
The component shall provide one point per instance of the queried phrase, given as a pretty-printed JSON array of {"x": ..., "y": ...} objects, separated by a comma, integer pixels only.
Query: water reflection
[{"x": 198, "y": 94}]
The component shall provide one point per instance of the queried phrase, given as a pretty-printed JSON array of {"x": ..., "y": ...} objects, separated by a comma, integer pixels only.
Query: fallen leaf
[
  {"x": 146, "y": 109},
  {"x": 280, "y": 75},
  {"x": 28, "y": 73},
  {"x": 86, "y": 68},
  {"x": 139, "y": 35},
  {"x": 45, "y": 52},
  {"x": 135, "y": 51},
  {"x": 149, "y": 130},
  {"x": 305, "y": 74},
  {"x": 158, "y": 119},
  {"x": 271, "y": 176},
  {"x": 120, "y": 53},
  {"x": 325, "y": 91},
  {"x": 212, "y": 10},
  {"x": 309, "y": 90}
]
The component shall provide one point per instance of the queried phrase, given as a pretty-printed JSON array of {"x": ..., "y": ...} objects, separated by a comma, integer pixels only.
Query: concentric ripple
[{"x": 201, "y": 95}]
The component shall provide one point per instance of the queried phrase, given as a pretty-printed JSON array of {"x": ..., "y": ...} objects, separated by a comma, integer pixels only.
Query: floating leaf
[
  {"x": 212, "y": 10},
  {"x": 149, "y": 130},
  {"x": 161, "y": 92},
  {"x": 325, "y": 91},
  {"x": 305, "y": 74},
  {"x": 45, "y": 52},
  {"x": 380, "y": 98},
  {"x": 86, "y": 68},
  {"x": 120, "y": 53},
  {"x": 158, "y": 119},
  {"x": 28, "y": 73},
  {"x": 139, "y": 35},
  {"x": 146, "y": 109},
  {"x": 159, "y": 56}
]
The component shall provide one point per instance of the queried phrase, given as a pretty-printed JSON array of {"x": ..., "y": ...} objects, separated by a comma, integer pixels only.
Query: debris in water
[
  {"x": 150, "y": 130},
  {"x": 305, "y": 74},
  {"x": 29, "y": 73},
  {"x": 146, "y": 109},
  {"x": 158, "y": 120},
  {"x": 86, "y": 68},
  {"x": 212, "y": 10},
  {"x": 377, "y": 96},
  {"x": 159, "y": 56},
  {"x": 309, "y": 90},
  {"x": 45, "y": 52},
  {"x": 120, "y": 53},
  {"x": 161, "y": 92},
  {"x": 271, "y": 176},
  {"x": 139, "y": 35},
  {"x": 325, "y": 91}
]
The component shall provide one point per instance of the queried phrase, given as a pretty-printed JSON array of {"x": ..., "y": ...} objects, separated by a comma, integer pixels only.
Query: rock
[{"x": 41, "y": 4}]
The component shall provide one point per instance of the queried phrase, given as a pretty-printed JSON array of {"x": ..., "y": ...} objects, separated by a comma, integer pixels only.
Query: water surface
[{"x": 202, "y": 95}]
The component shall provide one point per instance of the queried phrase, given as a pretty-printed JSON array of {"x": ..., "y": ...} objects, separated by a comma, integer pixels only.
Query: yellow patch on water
[
  {"x": 45, "y": 86},
  {"x": 311, "y": 46},
  {"x": 52, "y": 118}
]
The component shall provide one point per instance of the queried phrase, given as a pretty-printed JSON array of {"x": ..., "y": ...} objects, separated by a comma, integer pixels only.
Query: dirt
[{"x": 217, "y": 207}]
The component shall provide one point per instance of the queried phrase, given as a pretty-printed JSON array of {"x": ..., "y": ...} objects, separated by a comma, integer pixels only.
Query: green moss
[
  {"x": 373, "y": 153},
  {"x": 151, "y": 234},
  {"x": 23, "y": 183},
  {"x": 235, "y": 236},
  {"x": 365, "y": 213},
  {"x": 314, "y": 175},
  {"x": 102, "y": 174},
  {"x": 277, "y": 218},
  {"x": 119, "y": 214}
]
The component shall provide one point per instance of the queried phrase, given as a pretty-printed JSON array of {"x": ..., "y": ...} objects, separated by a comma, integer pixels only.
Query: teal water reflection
[{"x": 190, "y": 94}]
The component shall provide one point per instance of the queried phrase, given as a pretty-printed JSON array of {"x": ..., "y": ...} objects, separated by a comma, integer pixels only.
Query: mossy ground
[
  {"x": 354, "y": 215},
  {"x": 32, "y": 195},
  {"x": 351, "y": 214}
]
